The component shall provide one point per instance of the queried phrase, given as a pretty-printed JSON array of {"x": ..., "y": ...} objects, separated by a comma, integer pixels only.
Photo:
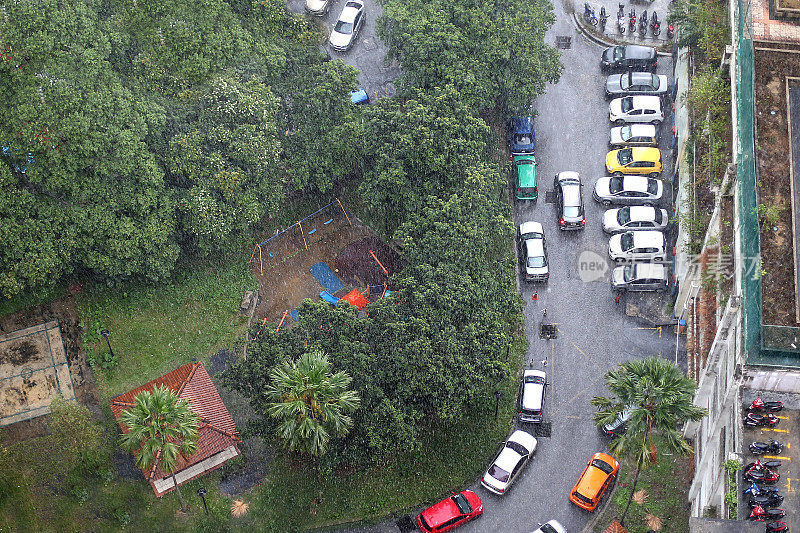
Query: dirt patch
[
  {"x": 65, "y": 312},
  {"x": 778, "y": 299},
  {"x": 357, "y": 267}
]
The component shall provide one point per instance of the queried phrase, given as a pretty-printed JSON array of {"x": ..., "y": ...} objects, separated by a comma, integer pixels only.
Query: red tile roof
[{"x": 217, "y": 431}]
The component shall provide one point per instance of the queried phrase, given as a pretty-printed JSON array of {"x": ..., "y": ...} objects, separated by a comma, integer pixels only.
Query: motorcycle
[
  {"x": 588, "y": 14},
  {"x": 632, "y": 20},
  {"x": 777, "y": 527},
  {"x": 760, "y": 405},
  {"x": 603, "y": 18},
  {"x": 759, "y": 513},
  {"x": 655, "y": 25},
  {"x": 643, "y": 24},
  {"x": 670, "y": 32},
  {"x": 760, "y": 466},
  {"x": 621, "y": 19},
  {"x": 759, "y": 490},
  {"x": 767, "y": 502},
  {"x": 757, "y": 420},
  {"x": 760, "y": 448},
  {"x": 767, "y": 477}
]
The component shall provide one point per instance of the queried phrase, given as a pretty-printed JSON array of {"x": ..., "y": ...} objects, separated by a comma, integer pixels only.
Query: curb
[
  {"x": 592, "y": 36},
  {"x": 589, "y": 527}
]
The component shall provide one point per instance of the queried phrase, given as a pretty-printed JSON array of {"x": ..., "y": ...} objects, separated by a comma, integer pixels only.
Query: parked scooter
[
  {"x": 621, "y": 19},
  {"x": 670, "y": 32},
  {"x": 758, "y": 420},
  {"x": 588, "y": 14},
  {"x": 759, "y": 490},
  {"x": 760, "y": 448},
  {"x": 760, "y": 405},
  {"x": 632, "y": 20},
  {"x": 767, "y": 477},
  {"x": 759, "y": 513},
  {"x": 777, "y": 527},
  {"x": 762, "y": 465},
  {"x": 603, "y": 18},
  {"x": 655, "y": 25},
  {"x": 767, "y": 502},
  {"x": 643, "y": 24}
]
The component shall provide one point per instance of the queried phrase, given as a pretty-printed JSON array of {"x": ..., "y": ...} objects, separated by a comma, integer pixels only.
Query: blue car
[{"x": 521, "y": 137}]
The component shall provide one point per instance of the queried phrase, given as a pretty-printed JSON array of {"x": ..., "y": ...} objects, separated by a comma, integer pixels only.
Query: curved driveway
[{"x": 595, "y": 334}]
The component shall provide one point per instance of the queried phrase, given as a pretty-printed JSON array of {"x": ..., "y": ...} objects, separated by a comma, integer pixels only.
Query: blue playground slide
[{"x": 325, "y": 276}]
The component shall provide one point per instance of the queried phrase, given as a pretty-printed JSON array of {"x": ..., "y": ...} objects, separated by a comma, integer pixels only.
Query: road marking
[
  {"x": 574, "y": 417},
  {"x": 575, "y": 345},
  {"x": 777, "y": 457},
  {"x": 775, "y": 430},
  {"x": 782, "y": 417},
  {"x": 658, "y": 329}
]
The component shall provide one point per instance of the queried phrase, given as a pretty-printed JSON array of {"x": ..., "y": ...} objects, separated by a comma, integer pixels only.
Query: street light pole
[
  {"x": 106, "y": 334},
  {"x": 202, "y": 493},
  {"x": 497, "y": 395}
]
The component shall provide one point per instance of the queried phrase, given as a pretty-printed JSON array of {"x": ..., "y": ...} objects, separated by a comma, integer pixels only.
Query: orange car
[{"x": 599, "y": 473}]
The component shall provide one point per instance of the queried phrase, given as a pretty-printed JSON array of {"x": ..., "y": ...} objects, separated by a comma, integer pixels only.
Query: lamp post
[
  {"x": 106, "y": 334},
  {"x": 497, "y": 395},
  {"x": 202, "y": 493}
]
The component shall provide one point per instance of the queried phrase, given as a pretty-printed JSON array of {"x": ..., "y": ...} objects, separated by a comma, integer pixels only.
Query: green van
[{"x": 525, "y": 170}]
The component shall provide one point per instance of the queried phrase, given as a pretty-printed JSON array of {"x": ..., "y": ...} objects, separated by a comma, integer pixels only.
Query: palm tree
[
  {"x": 659, "y": 398},
  {"x": 309, "y": 403},
  {"x": 162, "y": 426}
]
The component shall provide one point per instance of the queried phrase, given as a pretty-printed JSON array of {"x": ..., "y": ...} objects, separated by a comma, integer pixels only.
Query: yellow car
[{"x": 637, "y": 160}]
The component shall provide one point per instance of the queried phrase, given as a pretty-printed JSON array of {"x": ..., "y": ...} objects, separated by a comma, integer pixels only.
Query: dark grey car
[
  {"x": 629, "y": 57},
  {"x": 570, "y": 200},
  {"x": 636, "y": 83}
]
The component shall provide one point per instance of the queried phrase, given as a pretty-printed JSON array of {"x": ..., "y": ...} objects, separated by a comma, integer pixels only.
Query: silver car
[
  {"x": 553, "y": 526},
  {"x": 633, "y": 135},
  {"x": 638, "y": 246},
  {"x": 531, "y": 397},
  {"x": 636, "y": 83},
  {"x": 640, "y": 277},
  {"x": 346, "y": 28},
  {"x": 512, "y": 458},
  {"x": 318, "y": 7},
  {"x": 628, "y": 190},
  {"x": 634, "y": 218},
  {"x": 636, "y": 109},
  {"x": 533, "y": 252}
]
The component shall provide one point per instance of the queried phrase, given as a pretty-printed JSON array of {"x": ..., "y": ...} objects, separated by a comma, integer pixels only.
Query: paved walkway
[
  {"x": 766, "y": 27},
  {"x": 612, "y": 33},
  {"x": 794, "y": 142}
]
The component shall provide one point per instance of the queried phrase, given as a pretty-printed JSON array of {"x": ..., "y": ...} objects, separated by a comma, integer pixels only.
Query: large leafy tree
[
  {"x": 161, "y": 427},
  {"x": 492, "y": 52},
  {"x": 659, "y": 398},
  {"x": 310, "y": 403}
]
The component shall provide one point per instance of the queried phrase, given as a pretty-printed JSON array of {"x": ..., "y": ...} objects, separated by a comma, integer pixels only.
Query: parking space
[{"x": 787, "y": 432}]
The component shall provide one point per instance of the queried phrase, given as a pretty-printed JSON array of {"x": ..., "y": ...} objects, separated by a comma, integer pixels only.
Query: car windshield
[
  {"x": 462, "y": 503},
  {"x": 627, "y": 274},
  {"x": 572, "y": 211},
  {"x": 625, "y": 80},
  {"x": 517, "y": 447},
  {"x": 659, "y": 216},
  {"x": 499, "y": 474},
  {"x": 615, "y": 185},
  {"x": 627, "y": 104},
  {"x": 624, "y": 215},
  {"x": 536, "y": 261},
  {"x": 547, "y": 528},
  {"x": 625, "y": 133},
  {"x": 626, "y": 241},
  {"x": 602, "y": 465},
  {"x": 655, "y": 82},
  {"x": 582, "y": 498},
  {"x": 524, "y": 161},
  {"x": 652, "y": 186},
  {"x": 625, "y": 156},
  {"x": 343, "y": 27},
  {"x": 534, "y": 379}
]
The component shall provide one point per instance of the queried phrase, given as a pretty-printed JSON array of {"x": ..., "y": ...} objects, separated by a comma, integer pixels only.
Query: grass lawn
[{"x": 665, "y": 485}]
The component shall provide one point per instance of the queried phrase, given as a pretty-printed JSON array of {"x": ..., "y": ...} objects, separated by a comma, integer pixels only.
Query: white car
[
  {"x": 509, "y": 462},
  {"x": 346, "y": 28},
  {"x": 628, "y": 190},
  {"x": 533, "y": 252},
  {"x": 638, "y": 246},
  {"x": 531, "y": 396},
  {"x": 636, "y": 109},
  {"x": 318, "y": 7},
  {"x": 633, "y": 135},
  {"x": 553, "y": 526},
  {"x": 634, "y": 218}
]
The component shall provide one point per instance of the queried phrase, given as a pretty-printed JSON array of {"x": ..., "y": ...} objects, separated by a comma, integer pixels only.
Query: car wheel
[
  {"x": 656, "y": 122},
  {"x": 654, "y": 174},
  {"x": 619, "y": 122},
  {"x": 618, "y": 174},
  {"x": 618, "y": 260},
  {"x": 606, "y": 203},
  {"x": 649, "y": 204}
]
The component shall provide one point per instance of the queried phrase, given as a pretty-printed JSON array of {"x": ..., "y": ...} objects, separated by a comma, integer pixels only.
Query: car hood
[
  {"x": 601, "y": 187},
  {"x": 340, "y": 40},
  {"x": 615, "y": 244},
  {"x": 610, "y": 219},
  {"x": 615, "y": 106},
  {"x": 316, "y": 5},
  {"x": 616, "y": 135},
  {"x": 618, "y": 276},
  {"x": 612, "y": 161},
  {"x": 608, "y": 54},
  {"x": 614, "y": 83}
]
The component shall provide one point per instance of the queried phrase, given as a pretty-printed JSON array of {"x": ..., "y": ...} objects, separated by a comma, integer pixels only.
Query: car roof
[
  {"x": 650, "y": 270},
  {"x": 642, "y": 212},
  {"x": 645, "y": 101},
  {"x": 639, "y": 52},
  {"x": 572, "y": 193},
  {"x": 641, "y": 130},
  {"x": 648, "y": 237},
  {"x": 645, "y": 153},
  {"x": 535, "y": 247},
  {"x": 522, "y": 124},
  {"x": 641, "y": 77},
  {"x": 589, "y": 484},
  {"x": 530, "y": 227},
  {"x": 537, "y": 373},
  {"x": 441, "y": 512},
  {"x": 635, "y": 183}
]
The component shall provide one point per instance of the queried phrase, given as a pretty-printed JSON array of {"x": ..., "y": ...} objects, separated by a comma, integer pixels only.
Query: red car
[{"x": 450, "y": 513}]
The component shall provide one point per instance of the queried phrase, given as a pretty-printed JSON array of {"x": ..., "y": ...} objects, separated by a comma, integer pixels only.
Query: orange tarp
[{"x": 356, "y": 298}]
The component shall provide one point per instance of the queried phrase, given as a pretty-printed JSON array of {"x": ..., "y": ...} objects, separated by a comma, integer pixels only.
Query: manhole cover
[
  {"x": 543, "y": 429},
  {"x": 406, "y": 525},
  {"x": 550, "y": 197},
  {"x": 563, "y": 41},
  {"x": 548, "y": 331}
]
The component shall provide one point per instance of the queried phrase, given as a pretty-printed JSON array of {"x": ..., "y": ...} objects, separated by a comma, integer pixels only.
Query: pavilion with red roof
[{"x": 217, "y": 438}]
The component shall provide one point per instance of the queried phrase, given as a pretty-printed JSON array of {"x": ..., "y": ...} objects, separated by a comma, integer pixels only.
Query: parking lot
[{"x": 787, "y": 432}]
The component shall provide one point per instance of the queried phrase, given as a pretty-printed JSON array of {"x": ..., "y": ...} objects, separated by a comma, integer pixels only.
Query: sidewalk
[{"x": 611, "y": 34}]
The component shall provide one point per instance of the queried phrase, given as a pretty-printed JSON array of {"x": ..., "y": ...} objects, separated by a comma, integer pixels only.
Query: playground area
[
  {"x": 33, "y": 370},
  {"x": 328, "y": 255}
]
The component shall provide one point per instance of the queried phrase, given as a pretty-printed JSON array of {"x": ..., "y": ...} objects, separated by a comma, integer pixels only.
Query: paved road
[{"x": 595, "y": 334}]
